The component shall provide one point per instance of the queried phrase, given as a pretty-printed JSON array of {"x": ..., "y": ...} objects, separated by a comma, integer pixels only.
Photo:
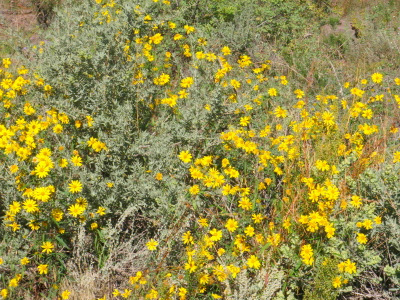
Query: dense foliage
[{"x": 180, "y": 162}]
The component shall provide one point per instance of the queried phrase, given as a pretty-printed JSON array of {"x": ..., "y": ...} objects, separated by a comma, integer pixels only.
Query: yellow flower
[
  {"x": 322, "y": 165},
  {"x": 82, "y": 202},
  {"x": 307, "y": 254},
  {"x": 216, "y": 235},
  {"x": 4, "y": 293},
  {"x": 187, "y": 82},
  {"x": 190, "y": 265},
  {"x": 283, "y": 79},
  {"x": 367, "y": 224},
  {"x": 57, "y": 214},
  {"x": 63, "y": 118},
  {"x": 245, "y": 203},
  {"x": 126, "y": 293},
  {"x": 185, "y": 156},
  {"x": 6, "y": 63},
  {"x": 65, "y": 294},
  {"x": 253, "y": 262},
  {"x": 226, "y": 50},
  {"x": 89, "y": 120},
  {"x": 189, "y": 29},
  {"x": 33, "y": 225},
  {"x": 159, "y": 176},
  {"x": 244, "y": 61},
  {"x": 204, "y": 279},
  {"x": 203, "y": 222},
  {"x": 257, "y": 218},
  {"x": 330, "y": 231},
  {"x": 78, "y": 124},
  {"x": 42, "y": 170},
  {"x": 235, "y": 84},
  {"x": 357, "y": 92},
  {"x": 249, "y": 231},
  {"x": 101, "y": 211},
  {"x": 234, "y": 270},
  {"x": 378, "y": 220},
  {"x": 194, "y": 190},
  {"x": 299, "y": 94},
  {"x": 75, "y": 186},
  {"x": 355, "y": 201},
  {"x": 63, "y": 163},
  {"x": 244, "y": 121},
  {"x": 362, "y": 238},
  {"x": 116, "y": 293},
  {"x": 47, "y": 88},
  {"x": 377, "y": 77},
  {"x": 396, "y": 157},
  {"x": 14, "y": 169},
  {"x": 42, "y": 269},
  {"x": 350, "y": 267},
  {"x": 156, "y": 39},
  {"x": 279, "y": 112},
  {"x": 76, "y": 160},
  {"x": 347, "y": 266},
  {"x": 152, "y": 245},
  {"x": 58, "y": 128},
  {"x": 187, "y": 238},
  {"x": 286, "y": 223},
  {"x": 231, "y": 225},
  {"x": 75, "y": 210},
  {"x": 337, "y": 281},
  {"x": 178, "y": 37},
  {"x": 163, "y": 79},
  {"x": 13, "y": 283},
  {"x": 15, "y": 207},
  {"x": 47, "y": 247},
  {"x": 221, "y": 251},
  {"x": 153, "y": 294},
  {"x": 24, "y": 261},
  {"x": 30, "y": 206},
  {"x": 272, "y": 92}
]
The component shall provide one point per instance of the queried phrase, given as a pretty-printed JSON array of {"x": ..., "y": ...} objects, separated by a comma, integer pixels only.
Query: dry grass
[{"x": 18, "y": 26}]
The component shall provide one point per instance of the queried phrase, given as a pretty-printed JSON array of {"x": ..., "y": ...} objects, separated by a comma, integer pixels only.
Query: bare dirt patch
[{"x": 18, "y": 23}]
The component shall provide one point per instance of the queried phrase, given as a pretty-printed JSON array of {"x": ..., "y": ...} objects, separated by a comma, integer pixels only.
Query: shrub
[
  {"x": 219, "y": 174},
  {"x": 45, "y": 11}
]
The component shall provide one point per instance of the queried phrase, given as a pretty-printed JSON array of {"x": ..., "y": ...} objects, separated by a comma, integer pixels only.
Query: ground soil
[{"x": 17, "y": 22}]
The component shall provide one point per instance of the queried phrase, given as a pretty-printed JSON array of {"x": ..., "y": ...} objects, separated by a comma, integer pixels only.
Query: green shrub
[{"x": 205, "y": 172}]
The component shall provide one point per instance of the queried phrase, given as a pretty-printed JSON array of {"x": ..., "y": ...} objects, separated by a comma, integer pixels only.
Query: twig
[
  {"x": 10, "y": 12},
  {"x": 337, "y": 78}
]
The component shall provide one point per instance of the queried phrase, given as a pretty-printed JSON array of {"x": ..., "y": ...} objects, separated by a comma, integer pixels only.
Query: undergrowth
[{"x": 164, "y": 161}]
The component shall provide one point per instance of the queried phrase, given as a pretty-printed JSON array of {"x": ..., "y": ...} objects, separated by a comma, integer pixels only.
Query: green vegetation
[{"x": 202, "y": 150}]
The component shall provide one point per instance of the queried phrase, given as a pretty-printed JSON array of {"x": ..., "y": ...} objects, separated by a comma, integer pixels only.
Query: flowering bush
[
  {"x": 132, "y": 131},
  {"x": 45, "y": 191}
]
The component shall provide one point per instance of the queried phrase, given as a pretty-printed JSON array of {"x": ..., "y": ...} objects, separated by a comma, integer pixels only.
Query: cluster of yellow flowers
[
  {"x": 96, "y": 144},
  {"x": 39, "y": 155},
  {"x": 271, "y": 183},
  {"x": 271, "y": 180},
  {"x": 273, "y": 151},
  {"x": 307, "y": 254}
]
